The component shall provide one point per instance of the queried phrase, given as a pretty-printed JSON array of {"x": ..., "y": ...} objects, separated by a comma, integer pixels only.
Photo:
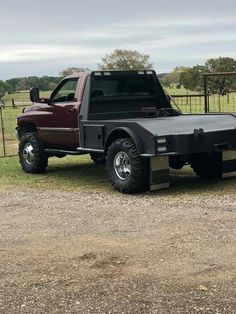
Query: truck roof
[
  {"x": 78, "y": 74},
  {"x": 111, "y": 72}
]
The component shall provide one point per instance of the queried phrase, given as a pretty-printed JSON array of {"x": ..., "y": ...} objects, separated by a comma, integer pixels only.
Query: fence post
[
  {"x": 2, "y": 131},
  {"x": 205, "y": 94},
  {"x": 13, "y": 103},
  {"x": 219, "y": 104}
]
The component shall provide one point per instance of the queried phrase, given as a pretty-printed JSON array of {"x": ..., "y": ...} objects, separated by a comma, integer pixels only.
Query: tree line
[
  {"x": 25, "y": 83},
  {"x": 191, "y": 78},
  {"x": 44, "y": 83}
]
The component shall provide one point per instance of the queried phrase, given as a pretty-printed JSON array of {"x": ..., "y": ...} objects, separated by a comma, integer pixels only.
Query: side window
[{"x": 66, "y": 91}]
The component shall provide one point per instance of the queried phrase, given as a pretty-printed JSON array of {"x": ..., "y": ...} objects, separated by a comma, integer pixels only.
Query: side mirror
[{"x": 34, "y": 94}]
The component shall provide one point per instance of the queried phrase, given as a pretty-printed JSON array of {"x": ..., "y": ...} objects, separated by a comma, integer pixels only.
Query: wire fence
[
  {"x": 216, "y": 103},
  {"x": 8, "y": 114},
  {"x": 191, "y": 104}
]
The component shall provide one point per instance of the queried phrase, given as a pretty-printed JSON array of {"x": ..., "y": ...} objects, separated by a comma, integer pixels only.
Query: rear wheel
[
  {"x": 127, "y": 171},
  {"x": 33, "y": 158},
  {"x": 208, "y": 166}
]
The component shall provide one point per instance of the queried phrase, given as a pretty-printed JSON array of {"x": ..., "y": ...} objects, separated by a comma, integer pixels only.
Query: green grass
[
  {"x": 69, "y": 173},
  {"x": 9, "y": 119},
  {"x": 23, "y": 96},
  {"x": 179, "y": 91},
  {"x": 80, "y": 174}
]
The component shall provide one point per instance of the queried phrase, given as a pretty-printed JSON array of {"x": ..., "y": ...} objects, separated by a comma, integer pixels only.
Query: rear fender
[{"x": 123, "y": 132}]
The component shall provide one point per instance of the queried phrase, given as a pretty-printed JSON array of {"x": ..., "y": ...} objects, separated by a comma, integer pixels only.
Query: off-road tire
[
  {"x": 139, "y": 174},
  {"x": 208, "y": 166},
  {"x": 98, "y": 159},
  {"x": 40, "y": 159}
]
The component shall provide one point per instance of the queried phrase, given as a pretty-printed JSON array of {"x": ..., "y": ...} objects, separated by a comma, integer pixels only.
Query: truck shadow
[
  {"x": 79, "y": 175},
  {"x": 87, "y": 175},
  {"x": 185, "y": 181}
]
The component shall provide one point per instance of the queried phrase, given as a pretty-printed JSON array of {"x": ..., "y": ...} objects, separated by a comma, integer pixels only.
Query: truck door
[{"x": 60, "y": 128}]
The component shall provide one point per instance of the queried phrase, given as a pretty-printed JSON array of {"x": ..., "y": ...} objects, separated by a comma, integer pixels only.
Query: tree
[
  {"x": 221, "y": 64},
  {"x": 122, "y": 59},
  {"x": 2, "y": 89},
  {"x": 13, "y": 82},
  {"x": 9, "y": 88},
  {"x": 172, "y": 79},
  {"x": 44, "y": 83},
  {"x": 192, "y": 79},
  {"x": 73, "y": 70},
  {"x": 221, "y": 84}
]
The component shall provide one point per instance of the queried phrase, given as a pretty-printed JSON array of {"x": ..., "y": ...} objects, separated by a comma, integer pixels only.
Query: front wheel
[
  {"x": 127, "y": 171},
  {"x": 33, "y": 158}
]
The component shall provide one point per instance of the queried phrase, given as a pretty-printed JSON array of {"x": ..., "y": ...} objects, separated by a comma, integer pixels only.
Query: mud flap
[
  {"x": 229, "y": 164},
  {"x": 159, "y": 173}
]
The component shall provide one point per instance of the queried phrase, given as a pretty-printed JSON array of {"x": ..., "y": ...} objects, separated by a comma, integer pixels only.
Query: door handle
[{"x": 69, "y": 110}]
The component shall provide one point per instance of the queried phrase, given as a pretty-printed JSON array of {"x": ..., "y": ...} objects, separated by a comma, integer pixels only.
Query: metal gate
[
  {"x": 8, "y": 141},
  {"x": 220, "y": 92}
]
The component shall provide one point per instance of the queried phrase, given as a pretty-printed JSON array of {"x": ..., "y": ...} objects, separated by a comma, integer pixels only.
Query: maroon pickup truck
[{"x": 124, "y": 119}]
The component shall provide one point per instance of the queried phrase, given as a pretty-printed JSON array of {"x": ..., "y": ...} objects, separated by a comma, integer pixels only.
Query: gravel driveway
[{"x": 104, "y": 252}]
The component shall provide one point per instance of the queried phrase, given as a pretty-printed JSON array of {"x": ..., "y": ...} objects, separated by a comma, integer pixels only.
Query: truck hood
[{"x": 186, "y": 124}]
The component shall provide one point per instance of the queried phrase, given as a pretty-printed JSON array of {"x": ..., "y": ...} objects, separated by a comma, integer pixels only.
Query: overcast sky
[{"x": 45, "y": 36}]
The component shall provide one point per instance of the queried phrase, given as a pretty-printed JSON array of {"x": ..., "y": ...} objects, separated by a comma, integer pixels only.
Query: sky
[{"x": 46, "y": 36}]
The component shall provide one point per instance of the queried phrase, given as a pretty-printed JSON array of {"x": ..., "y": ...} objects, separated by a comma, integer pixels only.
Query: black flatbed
[{"x": 187, "y": 123}]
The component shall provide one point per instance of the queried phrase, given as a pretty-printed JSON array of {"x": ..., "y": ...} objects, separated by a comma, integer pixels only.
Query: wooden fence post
[{"x": 2, "y": 131}]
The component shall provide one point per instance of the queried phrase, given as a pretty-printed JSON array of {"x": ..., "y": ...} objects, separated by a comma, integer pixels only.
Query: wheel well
[
  {"x": 115, "y": 136},
  {"x": 26, "y": 128},
  {"x": 123, "y": 133}
]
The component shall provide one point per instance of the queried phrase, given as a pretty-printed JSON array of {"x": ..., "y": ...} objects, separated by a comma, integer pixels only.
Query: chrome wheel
[
  {"x": 122, "y": 166},
  {"x": 28, "y": 153}
]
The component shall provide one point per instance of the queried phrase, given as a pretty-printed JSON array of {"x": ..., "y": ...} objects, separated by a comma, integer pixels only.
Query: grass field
[
  {"x": 21, "y": 97},
  {"x": 79, "y": 173},
  {"x": 67, "y": 173},
  {"x": 9, "y": 119}
]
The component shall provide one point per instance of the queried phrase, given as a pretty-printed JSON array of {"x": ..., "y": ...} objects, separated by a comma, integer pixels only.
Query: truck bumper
[
  {"x": 160, "y": 174},
  {"x": 186, "y": 144}
]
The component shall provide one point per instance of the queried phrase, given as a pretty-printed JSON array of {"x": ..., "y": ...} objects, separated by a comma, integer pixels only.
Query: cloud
[
  {"x": 77, "y": 32},
  {"x": 91, "y": 43},
  {"x": 46, "y": 52}
]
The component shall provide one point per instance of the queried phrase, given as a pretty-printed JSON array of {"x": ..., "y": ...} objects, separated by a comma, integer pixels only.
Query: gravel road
[{"x": 104, "y": 252}]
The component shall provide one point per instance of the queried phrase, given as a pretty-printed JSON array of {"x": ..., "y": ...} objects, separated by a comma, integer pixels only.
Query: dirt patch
[
  {"x": 109, "y": 262},
  {"x": 88, "y": 257},
  {"x": 85, "y": 252}
]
